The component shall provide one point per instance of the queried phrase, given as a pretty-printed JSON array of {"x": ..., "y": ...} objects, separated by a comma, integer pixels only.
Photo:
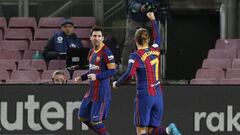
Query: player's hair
[
  {"x": 96, "y": 28},
  {"x": 58, "y": 72},
  {"x": 141, "y": 36}
]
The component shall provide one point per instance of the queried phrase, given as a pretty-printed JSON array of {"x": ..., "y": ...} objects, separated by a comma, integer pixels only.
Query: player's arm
[
  {"x": 111, "y": 66},
  {"x": 132, "y": 66},
  {"x": 81, "y": 78},
  {"x": 155, "y": 30}
]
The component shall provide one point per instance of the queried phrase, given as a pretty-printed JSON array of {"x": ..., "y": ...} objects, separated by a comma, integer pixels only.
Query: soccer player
[
  {"x": 144, "y": 62},
  {"x": 96, "y": 102}
]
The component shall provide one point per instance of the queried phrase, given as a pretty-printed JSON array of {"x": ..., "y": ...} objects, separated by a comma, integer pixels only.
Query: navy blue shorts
[
  {"x": 148, "y": 111},
  {"x": 94, "y": 111}
]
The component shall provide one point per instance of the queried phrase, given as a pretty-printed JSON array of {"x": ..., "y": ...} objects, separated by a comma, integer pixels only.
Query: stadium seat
[
  {"x": 22, "y": 22},
  {"x": 234, "y": 81},
  {"x": 86, "y": 43},
  {"x": 236, "y": 63},
  {"x": 44, "y": 34},
  {"x": 223, "y": 53},
  {"x": 83, "y": 22},
  {"x": 9, "y": 54},
  {"x": 217, "y": 63},
  {"x": 28, "y": 54},
  {"x": 24, "y": 76},
  {"x": 82, "y": 33},
  {"x": 3, "y": 27},
  {"x": 210, "y": 74},
  {"x": 38, "y": 64},
  {"x": 233, "y": 73},
  {"x": 18, "y": 34},
  {"x": 24, "y": 64},
  {"x": 19, "y": 45},
  {"x": 50, "y": 22},
  {"x": 204, "y": 81},
  {"x": 7, "y": 64},
  {"x": 4, "y": 77},
  {"x": 57, "y": 64},
  {"x": 28, "y": 64},
  {"x": 227, "y": 43},
  {"x": 38, "y": 45}
]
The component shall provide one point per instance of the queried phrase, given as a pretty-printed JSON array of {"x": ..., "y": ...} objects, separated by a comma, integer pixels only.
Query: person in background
[
  {"x": 59, "y": 43},
  {"x": 58, "y": 77}
]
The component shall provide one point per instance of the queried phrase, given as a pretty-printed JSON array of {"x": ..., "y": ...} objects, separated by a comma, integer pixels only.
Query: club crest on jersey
[
  {"x": 97, "y": 59},
  {"x": 59, "y": 39}
]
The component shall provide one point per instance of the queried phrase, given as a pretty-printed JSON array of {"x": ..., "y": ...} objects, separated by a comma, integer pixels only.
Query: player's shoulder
[{"x": 106, "y": 50}]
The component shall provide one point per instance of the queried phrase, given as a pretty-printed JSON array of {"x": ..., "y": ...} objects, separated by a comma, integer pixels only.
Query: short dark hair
[{"x": 96, "y": 28}]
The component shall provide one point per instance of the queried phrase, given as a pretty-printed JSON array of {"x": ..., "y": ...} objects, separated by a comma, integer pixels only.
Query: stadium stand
[
  {"x": 222, "y": 65},
  {"x": 83, "y": 22},
  {"x": 50, "y": 22},
  {"x": 21, "y": 37}
]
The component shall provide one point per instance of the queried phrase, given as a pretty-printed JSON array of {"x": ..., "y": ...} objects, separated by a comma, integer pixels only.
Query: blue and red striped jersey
[
  {"x": 102, "y": 64},
  {"x": 145, "y": 64}
]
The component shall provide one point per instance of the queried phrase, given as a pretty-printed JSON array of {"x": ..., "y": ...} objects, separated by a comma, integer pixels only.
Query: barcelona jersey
[
  {"x": 102, "y": 64},
  {"x": 145, "y": 64}
]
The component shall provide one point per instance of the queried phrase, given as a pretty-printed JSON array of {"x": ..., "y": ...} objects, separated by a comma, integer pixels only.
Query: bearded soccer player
[
  {"x": 96, "y": 102},
  {"x": 149, "y": 99}
]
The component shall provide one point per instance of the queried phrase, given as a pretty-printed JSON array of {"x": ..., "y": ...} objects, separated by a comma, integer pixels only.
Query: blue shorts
[
  {"x": 94, "y": 111},
  {"x": 148, "y": 111}
]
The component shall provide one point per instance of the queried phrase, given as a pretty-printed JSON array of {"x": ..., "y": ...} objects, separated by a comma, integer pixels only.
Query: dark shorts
[
  {"x": 148, "y": 111},
  {"x": 94, "y": 111}
]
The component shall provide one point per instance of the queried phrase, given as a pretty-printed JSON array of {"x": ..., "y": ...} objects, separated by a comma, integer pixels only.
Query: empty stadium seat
[
  {"x": 50, "y": 22},
  {"x": 217, "y": 63},
  {"x": 204, "y": 81},
  {"x": 18, "y": 34},
  {"x": 4, "y": 77},
  {"x": 82, "y": 33},
  {"x": 86, "y": 43},
  {"x": 28, "y": 64},
  {"x": 57, "y": 64},
  {"x": 222, "y": 53},
  {"x": 210, "y": 74},
  {"x": 24, "y": 64},
  {"x": 236, "y": 63},
  {"x": 233, "y": 73},
  {"x": 22, "y": 22},
  {"x": 28, "y": 54},
  {"x": 44, "y": 34},
  {"x": 8, "y": 64},
  {"x": 24, "y": 76},
  {"x": 227, "y": 43},
  {"x": 86, "y": 22},
  {"x": 20, "y": 45},
  {"x": 234, "y": 81},
  {"x": 38, "y": 64},
  {"x": 9, "y": 54},
  {"x": 38, "y": 45}
]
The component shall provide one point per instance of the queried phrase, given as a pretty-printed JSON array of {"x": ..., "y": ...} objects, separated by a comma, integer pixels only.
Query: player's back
[{"x": 147, "y": 72}]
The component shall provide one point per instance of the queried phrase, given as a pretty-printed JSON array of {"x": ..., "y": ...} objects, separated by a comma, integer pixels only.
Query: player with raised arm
[
  {"x": 144, "y": 62},
  {"x": 96, "y": 103}
]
